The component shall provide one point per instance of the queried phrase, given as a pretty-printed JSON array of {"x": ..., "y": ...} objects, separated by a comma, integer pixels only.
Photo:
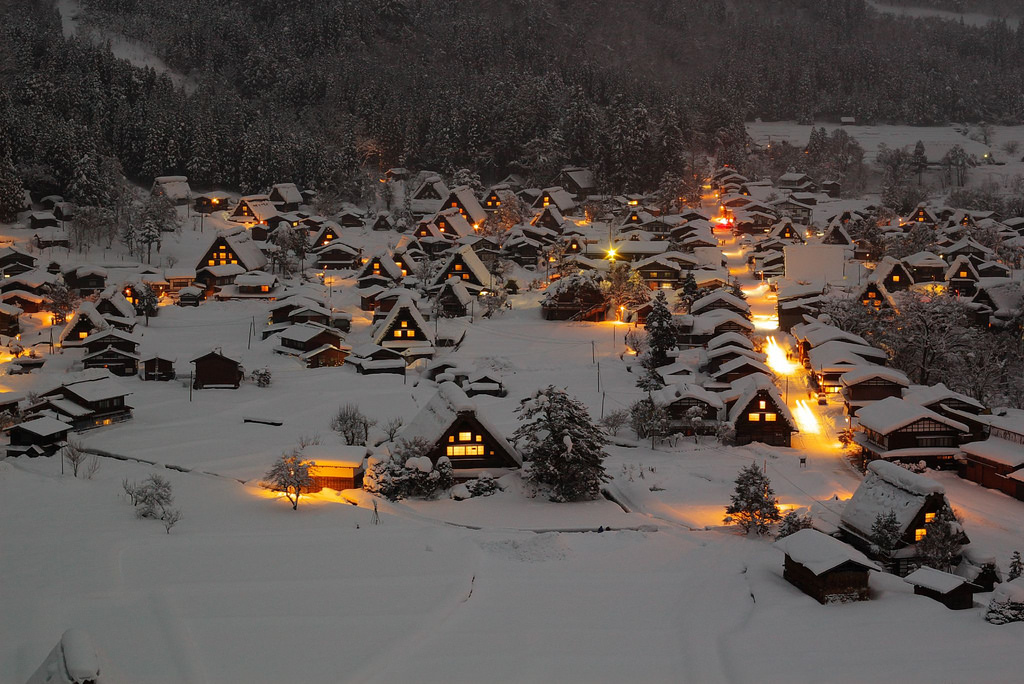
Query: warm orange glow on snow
[
  {"x": 777, "y": 359},
  {"x": 806, "y": 420}
]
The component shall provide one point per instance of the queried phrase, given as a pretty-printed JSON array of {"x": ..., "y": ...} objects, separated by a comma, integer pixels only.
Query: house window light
[{"x": 754, "y": 417}]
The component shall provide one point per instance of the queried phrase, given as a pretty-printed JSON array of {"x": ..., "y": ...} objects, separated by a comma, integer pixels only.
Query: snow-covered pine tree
[
  {"x": 61, "y": 301},
  {"x": 793, "y": 522},
  {"x": 562, "y": 447},
  {"x": 1016, "y": 568},
  {"x": 940, "y": 548},
  {"x": 290, "y": 475},
  {"x": 12, "y": 196},
  {"x": 754, "y": 506},
  {"x": 146, "y": 301},
  {"x": 886, "y": 532},
  {"x": 661, "y": 332}
]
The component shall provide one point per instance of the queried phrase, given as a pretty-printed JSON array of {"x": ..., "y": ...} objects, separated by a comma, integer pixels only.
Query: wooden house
[
  {"x": 155, "y": 367},
  {"x": 678, "y": 400},
  {"x": 899, "y": 430},
  {"x": 10, "y": 320},
  {"x": 549, "y": 217},
  {"x": 428, "y": 198},
  {"x": 254, "y": 209},
  {"x": 14, "y": 262},
  {"x": 85, "y": 279},
  {"x": 285, "y": 196},
  {"x": 454, "y": 299},
  {"x": 993, "y": 269},
  {"x": 452, "y": 224},
  {"x": 914, "y": 499},
  {"x": 577, "y": 180},
  {"x": 178, "y": 278},
  {"x": 35, "y": 282},
  {"x": 758, "y": 412},
  {"x": 328, "y": 231},
  {"x": 464, "y": 264},
  {"x": 379, "y": 269},
  {"x": 336, "y": 256},
  {"x": 405, "y": 330},
  {"x": 216, "y": 371},
  {"x": 118, "y": 361},
  {"x": 316, "y": 345},
  {"x": 740, "y": 367},
  {"x": 233, "y": 248},
  {"x": 785, "y": 230},
  {"x": 575, "y": 297},
  {"x": 874, "y": 295},
  {"x": 792, "y": 312},
  {"x": 86, "y": 404},
  {"x": 38, "y": 436},
  {"x": 796, "y": 182},
  {"x": 337, "y": 467},
  {"x": 25, "y": 301},
  {"x": 384, "y": 221},
  {"x": 498, "y": 196},
  {"x": 695, "y": 331},
  {"x": 832, "y": 188},
  {"x": 892, "y": 274},
  {"x": 953, "y": 405},
  {"x": 870, "y": 383},
  {"x": 836, "y": 234},
  {"x": 463, "y": 199},
  {"x": 825, "y": 568},
  {"x": 452, "y": 425},
  {"x": 372, "y": 359},
  {"x": 926, "y": 267},
  {"x": 190, "y": 296},
  {"x": 798, "y": 211},
  {"x": 952, "y": 591},
  {"x": 38, "y": 220},
  {"x": 209, "y": 202},
  {"x": 212, "y": 278},
  {"x": 85, "y": 321},
  {"x": 174, "y": 188},
  {"x": 998, "y": 461},
  {"x": 962, "y": 277},
  {"x": 720, "y": 299},
  {"x": 924, "y": 215},
  {"x": 557, "y": 197},
  {"x": 116, "y": 309},
  {"x": 659, "y": 272}
]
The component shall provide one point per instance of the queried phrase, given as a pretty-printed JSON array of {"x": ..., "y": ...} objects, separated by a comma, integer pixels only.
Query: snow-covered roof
[
  {"x": 892, "y": 413},
  {"x": 256, "y": 279},
  {"x": 473, "y": 264},
  {"x": 458, "y": 289},
  {"x": 674, "y": 392},
  {"x": 730, "y": 338},
  {"x": 820, "y": 553},
  {"x": 929, "y": 395},
  {"x": 438, "y": 414},
  {"x": 405, "y": 303},
  {"x": 962, "y": 264},
  {"x": 888, "y": 487},
  {"x": 93, "y": 390},
  {"x": 872, "y": 371},
  {"x": 44, "y": 426},
  {"x": 288, "y": 192},
  {"x": 247, "y": 251},
  {"x": 722, "y": 295},
  {"x": 745, "y": 391},
  {"x": 819, "y": 333},
  {"x": 740, "y": 362},
  {"x": 173, "y": 187},
  {"x": 936, "y": 580},
  {"x": 303, "y": 332},
  {"x": 925, "y": 260},
  {"x": 838, "y": 353},
  {"x": 997, "y": 450}
]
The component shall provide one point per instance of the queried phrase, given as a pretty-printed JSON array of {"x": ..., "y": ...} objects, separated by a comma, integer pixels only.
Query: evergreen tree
[
  {"x": 661, "y": 333},
  {"x": 919, "y": 159},
  {"x": 1016, "y": 567},
  {"x": 754, "y": 506},
  {"x": 886, "y": 533},
  {"x": 562, "y": 447},
  {"x": 793, "y": 522},
  {"x": 940, "y": 548},
  {"x": 146, "y": 300},
  {"x": 61, "y": 301},
  {"x": 12, "y": 196}
]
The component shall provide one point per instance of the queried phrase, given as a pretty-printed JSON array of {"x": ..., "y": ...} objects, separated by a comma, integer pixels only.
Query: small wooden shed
[
  {"x": 952, "y": 591},
  {"x": 338, "y": 467},
  {"x": 824, "y": 567},
  {"x": 216, "y": 371}
]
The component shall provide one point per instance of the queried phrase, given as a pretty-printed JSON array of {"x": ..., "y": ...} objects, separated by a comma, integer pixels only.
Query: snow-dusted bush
[
  {"x": 614, "y": 421},
  {"x": 261, "y": 376},
  {"x": 885, "y": 533},
  {"x": 793, "y": 522},
  {"x": 152, "y": 498},
  {"x": 483, "y": 485},
  {"x": 353, "y": 425},
  {"x": 409, "y": 472},
  {"x": 1007, "y": 603}
]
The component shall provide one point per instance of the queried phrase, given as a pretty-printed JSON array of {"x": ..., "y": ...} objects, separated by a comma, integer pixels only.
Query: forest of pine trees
[{"x": 322, "y": 92}]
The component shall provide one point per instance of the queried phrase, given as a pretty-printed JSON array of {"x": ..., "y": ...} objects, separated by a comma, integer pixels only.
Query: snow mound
[{"x": 537, "y": 548}]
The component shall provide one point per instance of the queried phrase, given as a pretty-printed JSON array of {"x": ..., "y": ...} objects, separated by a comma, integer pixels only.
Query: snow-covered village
[{"x": 415, "y": 340}]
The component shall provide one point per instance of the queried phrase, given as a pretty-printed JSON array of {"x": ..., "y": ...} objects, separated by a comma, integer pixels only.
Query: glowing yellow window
[
  {"x": 919, "y": 534},
  {"x": 490, "y": 203},
  {"x": 963, "y": 274},
  {"x": 878, "y": 302},
  {"x": 398, "y": 333},
  {"x": 451, "y": 438},
  {"x": 405, "y": 324},
  {"x": 376, "y": 265},
  {"x": 498, "y": 203},
  {"x": 761, "y": 404},
  {"x": 895, "y": 279},
  {"x": 234, "y": 261},
  {"x": 210, "y": 262},
  {"x": 479, "y": 438},
  {"x": 465, "y": 276},
  {"x": 769, "y": 417},
  {"x": 929, "y": 517},
  {"x": 753, "y": 417},
  {"x": 871, "y": 295},
  {"x": 546, "y": 201},
  {"x": 458, "y": 267},
  {"x": 82, "y": 335},
  {"x": 455, "y": 204},
  {"x": 465, "y": 436},
  {"x": 264, "y": 288}
]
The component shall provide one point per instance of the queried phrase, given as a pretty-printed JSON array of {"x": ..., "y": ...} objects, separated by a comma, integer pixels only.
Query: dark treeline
[{"x": 317, "y": 90}]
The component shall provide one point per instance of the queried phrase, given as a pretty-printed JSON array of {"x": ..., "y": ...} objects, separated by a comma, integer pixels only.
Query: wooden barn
[
  {"x": 998, "y": 462},
  {"x": 825, "y": 568},
  {"x": 372, "y": 359},
  {"x": 10, "y": 323},
  {"x": 866, "y": 384},
  {"x": 155, "y": 367},
  {"x": 336, "y": 467},
  {"x": 216, "y": 371},
  {"x": 87, "y": 403},
  {"x": 454, "y": 428},
  {"x": 952, "y": 591},
  {"x": 38, "y": 436},
  {"x": 899, "y": 430}
]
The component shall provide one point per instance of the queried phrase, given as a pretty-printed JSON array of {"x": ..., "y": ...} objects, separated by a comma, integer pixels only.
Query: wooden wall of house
[
  {"x": 844, "y": 583},
  {"x": 961, "y": 598},
  {"x": 214, "y": 371},
  {"x": 492, "y": 455}
]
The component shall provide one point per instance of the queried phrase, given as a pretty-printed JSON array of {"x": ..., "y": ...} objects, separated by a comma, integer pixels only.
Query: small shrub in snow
[
  {"x": 75, "y": 456},
  {"x": 392, "y": 427},
  {"x": 261, "y": 376},
  {"x": 154, "y": 497},
  {"x": 171, "y": 518},
  {"x": 385, "y": 477},
  {"x": 1007, "y": 603},
  {"x": 793, "y": 522},
  {"x": 423, "y": 479},
  {"x": 615, "y": 421},
  {"x": 483, "y": 485},
  {"x": 352, "y": 424},
  {"x": 754, "y": 506}
]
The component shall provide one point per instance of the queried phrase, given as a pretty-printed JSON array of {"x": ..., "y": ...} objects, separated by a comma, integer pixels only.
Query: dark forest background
[{"x": 322, "y": 91}]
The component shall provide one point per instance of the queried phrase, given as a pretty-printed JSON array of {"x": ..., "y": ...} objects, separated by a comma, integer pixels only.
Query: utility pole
[
  {"x": 190, "y": 382},
  {"x": 593, "y": 352}
]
